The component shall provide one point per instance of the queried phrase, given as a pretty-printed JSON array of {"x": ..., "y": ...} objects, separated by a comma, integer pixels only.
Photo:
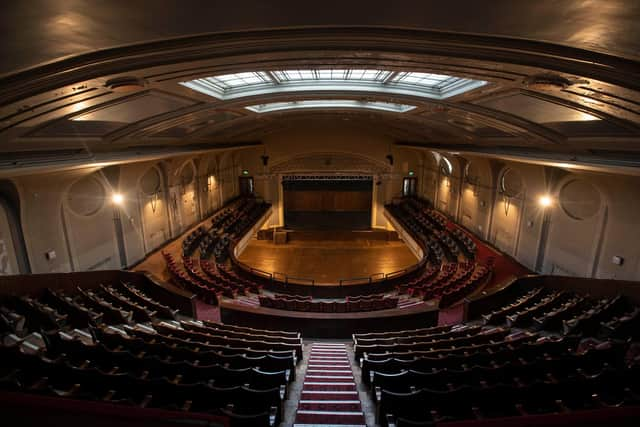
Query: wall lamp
[
  {"x": 545, "y": 201},
  {"x": 117, "y": 198}
]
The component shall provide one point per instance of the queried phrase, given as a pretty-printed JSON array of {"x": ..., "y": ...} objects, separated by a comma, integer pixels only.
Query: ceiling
[{"x": 86, "y": 81}]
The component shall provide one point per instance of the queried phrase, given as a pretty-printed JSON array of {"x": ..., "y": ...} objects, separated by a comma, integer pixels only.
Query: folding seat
[
  {"x": 497, "y": 401},
  {"x": 266, "y": 418},
  {"x": 252, "y": 401},
  {"x": 453, "y": 404},
  {"x": 341, "y": 307},
  {"x": 328, "y": 307},
  {"x": 354, "y": 306},
  {"x": 227, "y": 377},
  {"x": 301, "y": 305},
  {"x": 261, "y": 380},
  {"x": 365, "y": 305},
  {"x": 395, "y": 382},
  {"x": 388, "y": 366},
  {"x": 539, "y": 398},
  {"x": 406, "y": 405}
]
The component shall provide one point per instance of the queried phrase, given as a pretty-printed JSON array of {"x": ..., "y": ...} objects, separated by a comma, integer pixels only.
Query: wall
[
  {"x": 550, "y": 240},
  {"x": 71, "y": 224},
  {"x": 345, "y": 147},
  {"x": 8, "y": 258}
]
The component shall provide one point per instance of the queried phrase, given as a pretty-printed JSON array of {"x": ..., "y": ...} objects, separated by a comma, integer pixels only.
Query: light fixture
[
  {"x": 411, "y": 173},
  {"x": 545, "y": 201},
  {"x": 245, "y": 172},
  {"x": 117, "y": 198}
]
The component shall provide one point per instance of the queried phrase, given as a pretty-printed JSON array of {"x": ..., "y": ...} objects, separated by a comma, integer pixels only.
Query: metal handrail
[
  {"x": 290, "y": 279},
  {"x": 354, "y": 279}
]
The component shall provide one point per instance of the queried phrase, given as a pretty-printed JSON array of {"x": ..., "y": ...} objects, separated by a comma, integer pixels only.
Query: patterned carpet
[{"x": 329, "y": 394}]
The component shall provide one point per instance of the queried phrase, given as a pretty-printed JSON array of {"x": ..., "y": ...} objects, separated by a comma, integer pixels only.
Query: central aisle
[{"x": 329, "y": 394}]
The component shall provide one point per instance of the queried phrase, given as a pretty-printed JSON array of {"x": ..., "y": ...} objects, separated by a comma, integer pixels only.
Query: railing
[
  {"x": 299, "y": 280},
  {"x": 355, "y": 280},
  {"x": 373, "y": 278}
]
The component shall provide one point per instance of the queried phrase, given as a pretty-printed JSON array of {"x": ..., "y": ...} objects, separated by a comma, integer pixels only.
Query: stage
[{"x": 329, "y": 256}]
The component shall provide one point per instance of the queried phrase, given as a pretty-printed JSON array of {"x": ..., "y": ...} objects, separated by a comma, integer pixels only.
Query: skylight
[
  {"x": 427, "y": 85},
  {"x": 334, "y": 103}
]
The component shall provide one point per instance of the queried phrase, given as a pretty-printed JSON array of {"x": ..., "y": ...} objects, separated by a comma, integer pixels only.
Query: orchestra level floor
[{"x": 327, "y": 259}]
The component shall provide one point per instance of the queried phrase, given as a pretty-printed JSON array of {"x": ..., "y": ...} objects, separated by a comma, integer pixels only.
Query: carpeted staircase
[{"x": 329, "y": 394}]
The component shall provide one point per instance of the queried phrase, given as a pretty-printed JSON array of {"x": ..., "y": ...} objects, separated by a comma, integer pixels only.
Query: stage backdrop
[{"x": 327, "y": 204}]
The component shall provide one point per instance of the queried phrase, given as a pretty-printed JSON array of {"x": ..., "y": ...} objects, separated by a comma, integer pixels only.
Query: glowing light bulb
[
  {"x": 117, "y": 198},
  {"x": 545, "y": 201}
]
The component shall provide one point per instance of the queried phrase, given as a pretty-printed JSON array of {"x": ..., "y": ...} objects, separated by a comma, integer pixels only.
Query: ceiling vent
[
  {"x": 547, "y": 82},
  {"x": 125, "y": 84}
]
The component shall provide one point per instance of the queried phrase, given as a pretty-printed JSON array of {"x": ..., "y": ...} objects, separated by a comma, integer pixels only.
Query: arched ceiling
[{"x": 563, "y": 78}]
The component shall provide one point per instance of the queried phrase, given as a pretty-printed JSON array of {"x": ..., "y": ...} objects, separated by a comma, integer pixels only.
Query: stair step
[
  {"x": 329, "y": 395},
  {"x": 330, "y": 405},
  {"x": 329, "y": 417},
  {"x": 330, "y": 386}
]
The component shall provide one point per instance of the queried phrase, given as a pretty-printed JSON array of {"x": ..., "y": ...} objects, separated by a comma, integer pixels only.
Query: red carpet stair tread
[{"x": 329, "y": 394}]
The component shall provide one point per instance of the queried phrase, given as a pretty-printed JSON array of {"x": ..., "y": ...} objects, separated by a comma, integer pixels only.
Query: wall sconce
[
  {"x": 211, "y": 180},
  {"x": 154, "y": 201},
  {"x": 507, "y": 204}
]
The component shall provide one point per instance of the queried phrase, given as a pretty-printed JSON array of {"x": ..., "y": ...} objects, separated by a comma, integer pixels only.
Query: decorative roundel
[
  {"x": 151, "y": 183},
  {"x": 580, "y": 199},
  {"x": 186, "y": 174},
  {"x": 86, "y": 196},
  {"x": 511, "y": 183}
]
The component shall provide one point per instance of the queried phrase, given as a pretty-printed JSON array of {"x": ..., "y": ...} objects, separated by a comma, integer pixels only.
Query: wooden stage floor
[{"x": 327, "y": 259}]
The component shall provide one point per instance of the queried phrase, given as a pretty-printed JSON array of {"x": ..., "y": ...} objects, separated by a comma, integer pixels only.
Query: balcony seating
[
  {"x": 72, "y": 351},
  {"x": 192, "y": 240},
  {"x": 349, "y": 305}
]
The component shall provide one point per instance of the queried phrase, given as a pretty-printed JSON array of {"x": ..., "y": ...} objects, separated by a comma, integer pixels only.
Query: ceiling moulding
[
  {"x": 27, "y": 163},
  {"x": 125, "y": 59},
  {"x": 627, "y": 163}
]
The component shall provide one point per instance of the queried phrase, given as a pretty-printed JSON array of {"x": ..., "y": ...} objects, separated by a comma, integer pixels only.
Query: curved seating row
[
  {"x": 348, "y": 306},
  {"x": 70, "y": 346}
]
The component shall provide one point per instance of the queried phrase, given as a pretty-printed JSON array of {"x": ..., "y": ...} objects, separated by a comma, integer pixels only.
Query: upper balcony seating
[
  {"x": 429, "y": 343},
  {"x": 470, "y": 372},
  {"x": 547, "y": 384},
  {"x": 350, "y": 304},
  {"x": 187, "y": 366}
]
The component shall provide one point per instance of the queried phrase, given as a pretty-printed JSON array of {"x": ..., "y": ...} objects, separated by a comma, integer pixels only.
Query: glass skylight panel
[
  {"x": 335, "y": 103},
  {"x": 427, "y": 85}
]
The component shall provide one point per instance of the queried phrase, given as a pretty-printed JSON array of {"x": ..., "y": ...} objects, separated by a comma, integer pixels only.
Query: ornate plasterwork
[{"x": 331, "y": 163}]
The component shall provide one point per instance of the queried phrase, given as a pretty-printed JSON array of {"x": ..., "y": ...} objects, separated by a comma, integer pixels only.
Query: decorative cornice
[{"x": 341, "y": 40}]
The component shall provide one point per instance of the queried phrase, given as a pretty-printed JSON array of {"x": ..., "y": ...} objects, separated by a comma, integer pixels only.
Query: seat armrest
[
  {"x": 391, "y": 422},
  {"x": 273, "y": 412}
]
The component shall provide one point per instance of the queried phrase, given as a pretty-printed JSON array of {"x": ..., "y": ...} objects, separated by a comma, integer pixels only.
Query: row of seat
[
  {"x": 431, "y": 343},
  {"x": 424, "y": 407},
  {"x": 68, "y": 350},
  {"x": 294, "y": 304},
  {"x": 192, "y": 241},
  {"x": 34, "y": 373}
]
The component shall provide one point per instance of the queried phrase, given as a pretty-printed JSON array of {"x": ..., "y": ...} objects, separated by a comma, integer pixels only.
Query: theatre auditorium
[{"x": 409, "y": 213}]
